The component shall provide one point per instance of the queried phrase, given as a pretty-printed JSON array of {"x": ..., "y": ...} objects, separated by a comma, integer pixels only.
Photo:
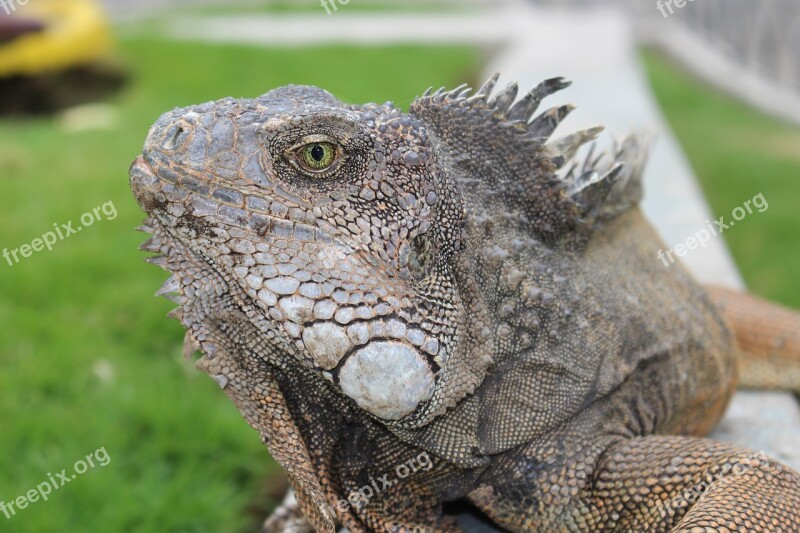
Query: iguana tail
[{"x": 768, "y": 336}]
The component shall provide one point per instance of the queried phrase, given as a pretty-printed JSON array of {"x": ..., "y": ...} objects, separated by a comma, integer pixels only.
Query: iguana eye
[{"x": 317, "y": 156}]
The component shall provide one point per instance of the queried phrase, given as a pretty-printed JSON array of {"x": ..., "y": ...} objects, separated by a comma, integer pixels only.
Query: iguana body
[{"x": 368, "y": 286}]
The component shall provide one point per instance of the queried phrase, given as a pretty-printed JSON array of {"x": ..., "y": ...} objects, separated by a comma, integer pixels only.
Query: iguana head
[
  {"x": 337, "y": 221},
  {"x": 344, "y": 230}
]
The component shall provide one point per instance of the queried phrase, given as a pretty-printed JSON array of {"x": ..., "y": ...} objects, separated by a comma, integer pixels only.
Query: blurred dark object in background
[
  {"x": 13, "y": 27},
  {"x": 52, "y": 92},
  {"x": 54, "y": 54}
]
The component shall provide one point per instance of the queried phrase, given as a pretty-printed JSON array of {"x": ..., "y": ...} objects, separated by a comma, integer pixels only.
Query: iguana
[{"x": 373, "y": 288}]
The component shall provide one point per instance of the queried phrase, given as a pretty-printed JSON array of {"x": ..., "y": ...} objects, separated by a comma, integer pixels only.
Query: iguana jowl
[{"x": 367, "y": 285}]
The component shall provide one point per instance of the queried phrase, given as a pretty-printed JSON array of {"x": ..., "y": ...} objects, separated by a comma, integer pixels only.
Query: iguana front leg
[
  {"x": 656, "y": 484},
  {"x": 287, "y": 518},
  {"x": 684, "y": 484}
]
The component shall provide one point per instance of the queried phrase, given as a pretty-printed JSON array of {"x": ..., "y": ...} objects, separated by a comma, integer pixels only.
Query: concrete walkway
[{"x": 596, "y": 50}]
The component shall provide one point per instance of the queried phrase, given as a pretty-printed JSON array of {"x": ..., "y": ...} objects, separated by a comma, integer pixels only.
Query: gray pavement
[{"x": 596, "y": 50}]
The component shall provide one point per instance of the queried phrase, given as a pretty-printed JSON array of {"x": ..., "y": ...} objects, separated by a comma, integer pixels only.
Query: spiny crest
[
  {"x": 519, "y": 116},
  {"x": 499, "y": 138},
  {"x": 609, "y": 183}
]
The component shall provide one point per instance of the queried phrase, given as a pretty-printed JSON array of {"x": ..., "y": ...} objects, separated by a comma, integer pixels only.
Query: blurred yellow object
[{"x": 76, "y": 33}]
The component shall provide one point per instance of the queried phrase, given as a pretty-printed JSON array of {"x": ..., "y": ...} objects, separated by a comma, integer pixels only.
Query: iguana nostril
[{"x": 176, "y": 137}]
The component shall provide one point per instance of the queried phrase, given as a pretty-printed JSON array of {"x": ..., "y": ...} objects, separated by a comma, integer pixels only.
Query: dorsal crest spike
[
  {"x": 568, "y": 146},
  {"x": 545, "y": 124},
  {"x": 528, "y": 104},
  {"x": 504, "y": 98},
  {"x": 591, "y": 190},
  {"x": 487, "y": 88},
  {"x": 457, "y": 90}
]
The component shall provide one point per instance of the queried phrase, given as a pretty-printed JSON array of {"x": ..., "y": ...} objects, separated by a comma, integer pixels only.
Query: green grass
[
  {"x": 158, "y": 23},
  {"x": 315, "y": 6},
  {"x": 182, "y": 459},
  {"x": 737, "y": 153}
]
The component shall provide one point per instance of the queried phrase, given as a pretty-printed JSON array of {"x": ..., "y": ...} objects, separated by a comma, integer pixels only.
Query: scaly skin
[{"x": 368, "y": 286}]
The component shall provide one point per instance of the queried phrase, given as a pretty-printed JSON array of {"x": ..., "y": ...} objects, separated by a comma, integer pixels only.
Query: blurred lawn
[
  {"x": 361, "y": 6},
  {"x": 737, "y": 153},
  {"x": 88, "y": 358}
]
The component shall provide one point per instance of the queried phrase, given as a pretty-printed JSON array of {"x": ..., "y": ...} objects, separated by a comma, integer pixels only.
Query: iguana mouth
[{"x": 143, "y": 180}]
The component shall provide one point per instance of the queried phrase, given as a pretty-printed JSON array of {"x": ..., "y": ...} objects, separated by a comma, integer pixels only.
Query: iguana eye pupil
[
  {"x": 317, "y": 152},
  {"x": 318, "y": 156}
]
